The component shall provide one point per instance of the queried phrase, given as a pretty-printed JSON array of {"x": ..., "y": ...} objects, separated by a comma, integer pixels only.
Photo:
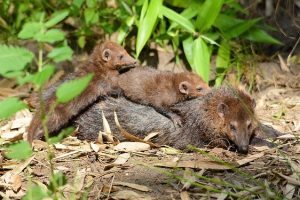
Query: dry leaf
[
  {"x": 151, "y": 135},
  {"x": 133, "y": 186},
  {"x": 170, "y": 150},
  {"x": 290, "y": 179},
  {"x": 287, "y": 136},
  {"x": 188, "y": 178},
  {"x": 16, "y": 182},
  {"x": 289, "y": 191},
  {"x": 95, "y": 147},
  {"x": 250, "y": 158},
  {"x": 283, "y": 65},
  {"x": 184, "y": 195},
  {"x": 121, "y": 159},
  {"x": 130, "y": 195},
  {"x": 222, "y": 196},
  {"x": 132, "y": 146},
  {"x": 79, "y": 180},
  {"x": 107, "y": 129}
]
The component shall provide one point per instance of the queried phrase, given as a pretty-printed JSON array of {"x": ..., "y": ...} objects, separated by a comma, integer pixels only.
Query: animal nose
[{"x": 243, "y": 149}]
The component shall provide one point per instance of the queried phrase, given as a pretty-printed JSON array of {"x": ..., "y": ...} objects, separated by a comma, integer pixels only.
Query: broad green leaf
[
  {"x": 71, "y": 89},
  {"x": 81, "y": 41},
  {"x": 144, "y": 9},
  {"x": 179, "y": 19},
  {"x": 146, "y": 25},
  {"x": 20, "y": 150},
  {"x": 30, "y": 29},
  {"x": 64, "y": 133},
  {"x": 61, "y": 53},
  {"x": 201, "y": 59},
  {"x": 208, "y": 13},
  {"x": 188, "y": 49},
  {"x": 35, "y": 193},
  {"x": 91, "y": 3},
  {"x": 8, "y": 61},
  {"x": 57, "y": 17},
  {"x": 240, "y": 28},
  {"x": 43, "y": 76},
  {"x": 91, "y": 16},
  {"x": 208, "y": 39},
  {"x": 51, "y": 36},
  {"x": 13, "y": 74},
  {"x": 10, "y": 106},
  {"x": 222, "y": 61},
  {"x": 259, "y": 35},
  {"x": 179, "y": 3}
]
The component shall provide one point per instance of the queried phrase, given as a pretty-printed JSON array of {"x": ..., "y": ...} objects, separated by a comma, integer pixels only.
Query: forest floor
[{"x": 106, "y": 172}]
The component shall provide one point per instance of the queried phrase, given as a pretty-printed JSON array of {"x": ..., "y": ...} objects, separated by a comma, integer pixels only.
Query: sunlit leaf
[
  {"x": 41, "y": 77},
  {"x": 201, "y": 59},
  {"x": 123, "y": 31},
  {"x": 10, "y": 106},
  {"x": 188, "y": 49},
  {"x": 57, "y": 17},
  {"x": 30, "y": 29},
  {"x": 146, "y": 25},
  {"x": 222, "y": 61},
  {"x": 51, "y": 36},
  {"x": 179, "y": 19},
  {"x": 71, "y": 89},
  {"x": 208, "y": 13},
  {"x": 61, "y": 53},
  {"x": 8, "y": 61},
  {"x": 259, "y": 35},
  {"x": 91, "y": 16},
  {"x": 20, "y": 150}
]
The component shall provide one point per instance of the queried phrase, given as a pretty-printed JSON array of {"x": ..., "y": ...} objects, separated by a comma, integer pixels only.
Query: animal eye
[
  {"x": 232, "y": 128},
  {"x": 199, "y": 89},
  {"x": 121, "y": 57},
  {"x": 249, "y": 126}
]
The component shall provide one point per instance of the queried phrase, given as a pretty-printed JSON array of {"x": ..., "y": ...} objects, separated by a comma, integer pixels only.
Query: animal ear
[
  {"x": 222, "y": 110},
  {"x": 106, "y": 55},
  {"x": 184, "y": 87}
]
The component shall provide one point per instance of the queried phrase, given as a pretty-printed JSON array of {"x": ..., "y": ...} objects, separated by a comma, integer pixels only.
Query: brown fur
[
  {"x": 105, "y": 62},
  {"x": 161, "y": 89}
]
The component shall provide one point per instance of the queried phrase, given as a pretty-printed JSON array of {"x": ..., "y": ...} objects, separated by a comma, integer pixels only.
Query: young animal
[
  {"x": 106, "y": 61},
  {"x": 161, "y": 89},
  {"x": 221, "y": 118}
]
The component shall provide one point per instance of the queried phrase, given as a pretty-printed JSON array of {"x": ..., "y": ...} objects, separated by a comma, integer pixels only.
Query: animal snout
[{"x": 243, "y": 149}]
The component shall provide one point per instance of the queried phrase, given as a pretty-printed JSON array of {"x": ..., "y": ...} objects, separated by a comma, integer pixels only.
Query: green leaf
[
  {"x": 179, "y": 19},
  {"x": 64, "y": 133},
  {"x": 240, "y": 28},
  {"x": 259, "y": 35},
  {"x": 179, "y": 3},
  {"x": 71, "y": 89},
  {"x": 123, "y": 31},
  {"x": 41, "y": 77},
  {"x": 91, "y": 3},
  {"x": 208, "y": 13},
  {"x": 8, "y": 61},
  {"x": 222, "y": 61},
  {"x": 35, "y": 193},
  {"x": 144, "y": 9},
  {"x": 201, "y": 59},
  {"x": 30, "y": 29},
  {"x": 226, "y": 22},
  {"x": 188, "y": 49},
  {"x": 61, "y": 53},
  {"x": 20, "y": 150},
  {"x": 51, "y": 36},
  {"x": 146, "y": 25},
  {"x": 10, "y": 106},
  {"x": 57, "y": 180},
  {"x": 57, "y": 17},
  {"x": 91, "y": 16}
]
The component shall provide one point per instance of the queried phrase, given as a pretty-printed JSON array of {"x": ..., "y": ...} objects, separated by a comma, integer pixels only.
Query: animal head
[
  {"x": 237, "y": 116},
  {"x": 113, "y": 56},
  {"x": 192, "y": 85}
]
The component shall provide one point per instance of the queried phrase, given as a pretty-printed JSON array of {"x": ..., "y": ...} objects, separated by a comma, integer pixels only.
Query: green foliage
[
  {"x": 8, "y": 61},
  {"x": 35, "y": 193},
  {"x": 59, "y": 54},
  {"x": 64, "y": 133},
  {"x": 10, "y": 106},
  {"x": 20, "y": 150},
  {"x": 71, "y": 89}
]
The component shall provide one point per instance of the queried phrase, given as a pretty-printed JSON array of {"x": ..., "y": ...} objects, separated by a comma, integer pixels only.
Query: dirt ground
[{"x": 106, "y": 172}]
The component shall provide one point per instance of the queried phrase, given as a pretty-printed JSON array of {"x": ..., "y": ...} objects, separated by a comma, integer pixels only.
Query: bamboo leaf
[
  {"x": 208, "y": 13},
  {"x": 240, "y": 28},
  {"x": 201, "y": 59},
  {"x": 259, "y": 35},
  {"x": 146, "y": 24},
  {"x": 179, "y": 19},
  {"x": 188, "y": 50}
]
